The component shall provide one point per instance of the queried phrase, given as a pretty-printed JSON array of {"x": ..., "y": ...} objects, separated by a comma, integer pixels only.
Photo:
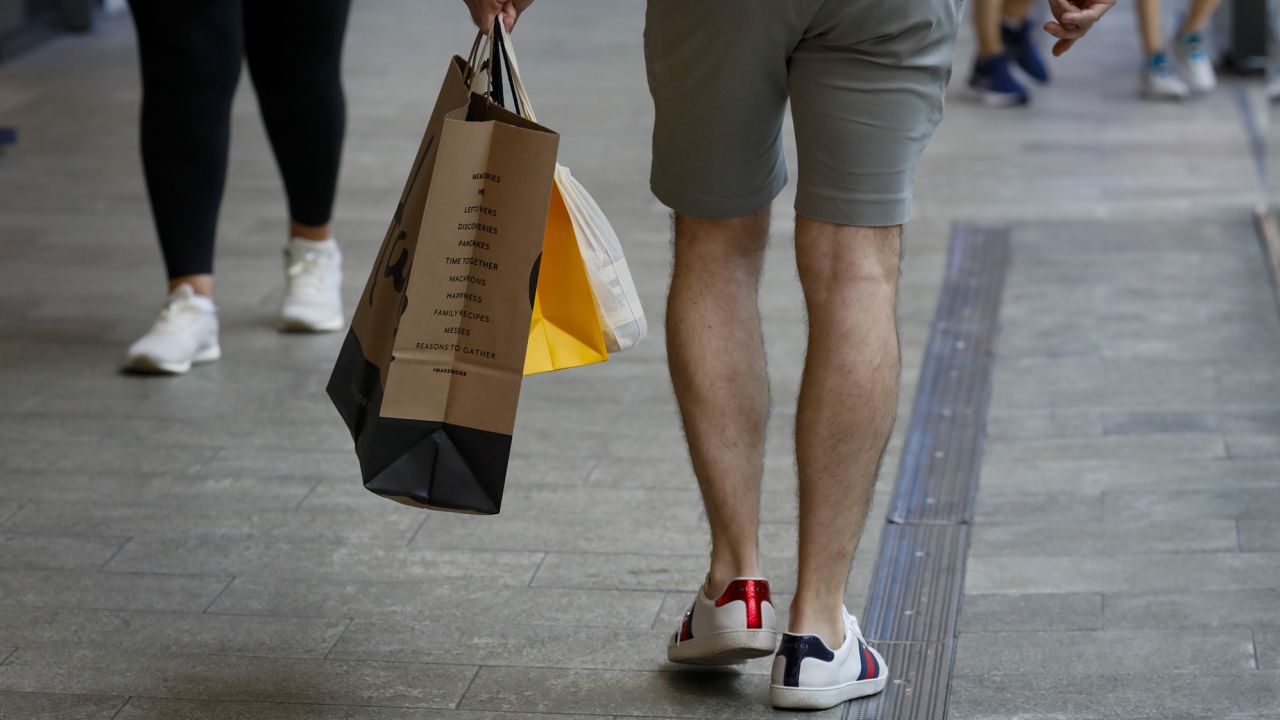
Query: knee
[
  {"x": 729, "y": 243},
  {"x": 843, "y": 260}
]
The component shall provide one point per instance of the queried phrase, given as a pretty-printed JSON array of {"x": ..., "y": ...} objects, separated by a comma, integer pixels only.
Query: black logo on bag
[
  {"x": 398, "y": 270},
  {"x": 533, "y": 278}
]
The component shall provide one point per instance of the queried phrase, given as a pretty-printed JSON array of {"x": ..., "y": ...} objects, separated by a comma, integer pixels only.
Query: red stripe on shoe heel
[
  {"x": 751, "y": 592},
  {"x": 873, "y": 670}
]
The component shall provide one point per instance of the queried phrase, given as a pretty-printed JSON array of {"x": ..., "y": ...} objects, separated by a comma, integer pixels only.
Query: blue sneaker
[
  {"x": 1020, "y": 45},
  {"x": 994, "y": 84}
]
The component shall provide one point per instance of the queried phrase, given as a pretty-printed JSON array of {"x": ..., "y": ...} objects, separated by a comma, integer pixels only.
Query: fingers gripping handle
[{"x": 496, "y": 49}]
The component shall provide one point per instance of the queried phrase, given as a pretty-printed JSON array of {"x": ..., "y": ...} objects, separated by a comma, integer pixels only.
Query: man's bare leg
[
  {"x": 848, "y": 402},
  {"x": 716, "y": 354}
]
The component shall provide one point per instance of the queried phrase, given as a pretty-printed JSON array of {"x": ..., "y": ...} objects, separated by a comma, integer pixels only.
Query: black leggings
[{"x": 190, "y": 52}]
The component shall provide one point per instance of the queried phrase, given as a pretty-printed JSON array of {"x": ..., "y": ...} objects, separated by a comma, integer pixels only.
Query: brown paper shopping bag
[{"x": 429, "y": 377}]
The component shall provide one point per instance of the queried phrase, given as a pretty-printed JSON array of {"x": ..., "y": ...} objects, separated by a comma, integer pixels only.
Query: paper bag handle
[
  {"x": 496, "y": 44},
  {"x": 507, "y": 50}
]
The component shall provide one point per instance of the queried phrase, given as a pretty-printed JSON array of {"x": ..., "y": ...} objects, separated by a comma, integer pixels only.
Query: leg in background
[
  {"x": 848, "y": 403},
  {"x": 986, "y": 19},
  {"x": 1017, "y": 9},
  {"x": 1198, "y": 16},
  {"x": 190, "y": 56},
  {"x": 999, "y": 48},
  {"x": 716, "y": 355},
  {"x": 294, "y": 49},
  {"x": 1149, "y": 25}
]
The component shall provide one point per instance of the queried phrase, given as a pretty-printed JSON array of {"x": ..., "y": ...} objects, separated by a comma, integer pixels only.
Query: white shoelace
[
  {"x": 307, "y": 274},
  {"x": 176, "y": 316}
]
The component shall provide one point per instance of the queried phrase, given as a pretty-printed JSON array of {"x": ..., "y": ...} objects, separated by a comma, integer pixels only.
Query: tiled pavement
[{"x": 201, "y": 548}]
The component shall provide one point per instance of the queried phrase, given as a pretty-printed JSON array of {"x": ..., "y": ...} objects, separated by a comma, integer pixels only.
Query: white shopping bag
[{"x": 617, "y": 302}]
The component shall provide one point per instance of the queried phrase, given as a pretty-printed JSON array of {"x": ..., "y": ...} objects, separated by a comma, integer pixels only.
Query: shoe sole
[
  {"x": 792, "y": 698},
  {"x": 147, "y": 365},
  {"x": 292, "y": 326},
  {"x": 724, "y": 648},
  {"x": 995, "y": 99}
]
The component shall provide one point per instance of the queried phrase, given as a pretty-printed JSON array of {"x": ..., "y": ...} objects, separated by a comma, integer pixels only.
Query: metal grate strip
[{"x": 917, "y": 589}]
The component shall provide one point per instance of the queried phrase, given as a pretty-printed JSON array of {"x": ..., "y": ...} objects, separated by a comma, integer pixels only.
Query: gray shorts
[{"x": 866, "y": 80}]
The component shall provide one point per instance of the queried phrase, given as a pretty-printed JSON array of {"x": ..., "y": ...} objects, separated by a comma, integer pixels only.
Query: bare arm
[{"x": 1072, "y": 19}]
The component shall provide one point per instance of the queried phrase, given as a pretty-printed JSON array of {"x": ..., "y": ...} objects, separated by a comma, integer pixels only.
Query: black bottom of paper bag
[{"x": 430, "y": 463}]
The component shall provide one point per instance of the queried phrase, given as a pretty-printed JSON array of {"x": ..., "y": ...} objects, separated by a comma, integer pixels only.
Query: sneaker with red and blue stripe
[
  {"x": 809, "y": 675},
  {"x": 735, "y": 626}
]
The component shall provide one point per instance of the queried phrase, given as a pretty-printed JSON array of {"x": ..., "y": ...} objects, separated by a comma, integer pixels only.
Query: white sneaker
[
  {"x": 185, "y": 333},
  {"x": 737, "y": 626},
  {"x": 1193, "y": 63},
  {"x": 1160, "y": 81},
  {"x": 313, "y": 287},
  {"x": 810, "y": 676}
]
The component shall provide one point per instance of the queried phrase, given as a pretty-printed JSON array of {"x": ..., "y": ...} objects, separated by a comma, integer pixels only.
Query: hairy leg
[
  {"x": 716, "y": 355},
  {"x": 848, "y": 403}
]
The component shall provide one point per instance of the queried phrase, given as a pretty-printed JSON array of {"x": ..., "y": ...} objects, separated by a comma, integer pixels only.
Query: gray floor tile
[
  {"x": 1067, "y": 654},
  {"x": 1000, "y": 506},
  {"x": 1192, "y": 608},
  {"x": 1267, "y": 640},
  {"x": 93, "y": 589},
  {"x": 160, "y": 709},
  {"x": 1253, "y": 446},
  {"x": 1040, "y": 611},
  {"x": 600, "y": 520},
  {"x": 727, "y": 695},
  {"x": 1095, "y": 476},
  {"x": 1110, "y": 447},
  {"x": 291, "y": 558},
  {"x": 470, "y": 604},
  {"x": 1103, "y": 538},
  {"x": 221, "y": 677},
  {"x": 168, "y": 491},
  {"x": 1248, "y": 503},
  {"x": 169, "y": 632},
  {"x": 66, "y": 552},
  {"x": 1151, "y": 694},
  {"x": 51, "y": 706},
  {"x": 1150, "y": 422},
  {"x": 1123, "y": 573},
  {"x": 1259, "y": 535},
  {"x": 390, "y": 524},
  {"x": 1041, "y": 424},
  {"x": 622, "y": 572},
  {"x": 518, "y": 645}
]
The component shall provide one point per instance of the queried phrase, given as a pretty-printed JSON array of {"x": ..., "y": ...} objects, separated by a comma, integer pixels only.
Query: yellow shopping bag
[{"x": 565, "y": 331}]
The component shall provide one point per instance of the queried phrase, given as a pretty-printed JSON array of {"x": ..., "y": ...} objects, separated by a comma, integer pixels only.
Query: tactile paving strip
[{"x": 914, "y": 601}]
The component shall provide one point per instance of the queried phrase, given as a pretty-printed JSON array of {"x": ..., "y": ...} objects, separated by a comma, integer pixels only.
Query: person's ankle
[
  {"x": 719, "y": 577},
  {"x": 824, "y": 620}
]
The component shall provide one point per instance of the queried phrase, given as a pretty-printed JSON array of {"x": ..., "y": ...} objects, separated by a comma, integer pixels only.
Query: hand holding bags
[{"x": 429, "y": 376}]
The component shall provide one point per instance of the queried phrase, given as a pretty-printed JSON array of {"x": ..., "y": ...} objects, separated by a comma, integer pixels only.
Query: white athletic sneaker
[
  {"x": 737, "y": 626},
  {"x": 1160, "y": 81},
  {"x": 313, "y": 287},
  {"x": 808, "y": 675},
  {"x": 1194, "y": 65},
  {"x": 185, "y": 333}
]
